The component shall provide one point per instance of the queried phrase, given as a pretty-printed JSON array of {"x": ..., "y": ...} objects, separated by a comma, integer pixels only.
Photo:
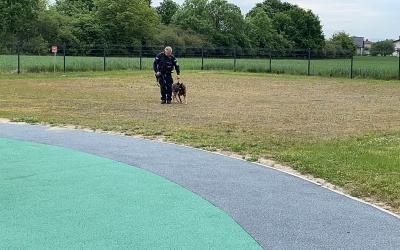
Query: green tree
[
  {"x": 126, "y": 21},
  {"x": 271, "y": 7},
  {"x": 194, "y": 15},
  {"x": 262, "y": 33},
  {"x": 382, "y": 48},
  {"x": 339, "y": 45},
  {"x": 177, "y": 37},
  {"x": 221, "y": 22},
  {"x": 295, "y": 24},
  {"x": 74, "y": 22},
  {"x": 166, "y": 10},
  {"x": 19, "y": 22},
  {"x": 18, "y": 18},
  {"x": 49, "y": 26},
  {"x": 74, "y": 7},
  {"x": 228, "y": 24},
  {"x": 343, "y": 41},
  {"x": 307, "y": 31},
  {"x": 56, "y": 28}
]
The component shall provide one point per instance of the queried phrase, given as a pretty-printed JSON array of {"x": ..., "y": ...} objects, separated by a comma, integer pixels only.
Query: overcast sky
[{"x": 372, "y": 19}]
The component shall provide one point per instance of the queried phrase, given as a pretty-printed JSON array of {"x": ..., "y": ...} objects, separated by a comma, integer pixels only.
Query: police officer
[{"x": 163, "y": 66}]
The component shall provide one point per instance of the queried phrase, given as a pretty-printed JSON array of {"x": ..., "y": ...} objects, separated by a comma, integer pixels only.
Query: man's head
[{"x": 168, "y": 51}]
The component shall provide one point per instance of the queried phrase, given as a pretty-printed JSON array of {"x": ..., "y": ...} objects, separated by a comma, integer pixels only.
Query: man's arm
[
  {"x": 177, "y": 68},
  {"x": 155, "y": 63}
]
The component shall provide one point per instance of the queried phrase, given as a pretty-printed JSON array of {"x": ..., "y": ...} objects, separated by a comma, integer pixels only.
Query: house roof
[
  {"x": 367, "y": 42},
  {"x": 359, "y": 41}
]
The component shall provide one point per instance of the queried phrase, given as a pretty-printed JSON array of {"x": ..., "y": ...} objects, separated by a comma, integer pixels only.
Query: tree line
[{"x": 271, "y": 24}]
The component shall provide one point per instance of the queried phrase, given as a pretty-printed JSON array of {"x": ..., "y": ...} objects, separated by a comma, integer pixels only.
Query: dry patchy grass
[{"x": 302, "y": 107}]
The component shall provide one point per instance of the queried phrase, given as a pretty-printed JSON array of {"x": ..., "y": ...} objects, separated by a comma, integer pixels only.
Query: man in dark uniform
[{"x": 163, "y": 65}]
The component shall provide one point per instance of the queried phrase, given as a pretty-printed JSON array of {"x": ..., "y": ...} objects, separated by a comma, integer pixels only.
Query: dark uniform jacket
[{"x": 165, "y": 64}]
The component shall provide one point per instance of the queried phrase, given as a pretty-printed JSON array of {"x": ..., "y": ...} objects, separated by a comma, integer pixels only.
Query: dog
[{"x": 178, "y": 90}]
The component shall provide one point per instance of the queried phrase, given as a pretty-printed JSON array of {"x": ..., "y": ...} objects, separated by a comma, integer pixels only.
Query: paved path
[{"x": 280, "y": 211}]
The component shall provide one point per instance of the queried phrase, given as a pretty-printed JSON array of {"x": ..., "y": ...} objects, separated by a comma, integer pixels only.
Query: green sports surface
[{"x": 58, "y": 198}]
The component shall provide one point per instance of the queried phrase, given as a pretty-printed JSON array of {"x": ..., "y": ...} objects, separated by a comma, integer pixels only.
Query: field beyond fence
[{"x": 292, "y": 62}]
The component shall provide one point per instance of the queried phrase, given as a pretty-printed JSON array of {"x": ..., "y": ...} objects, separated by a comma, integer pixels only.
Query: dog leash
[{"x": 157, "y": 79}]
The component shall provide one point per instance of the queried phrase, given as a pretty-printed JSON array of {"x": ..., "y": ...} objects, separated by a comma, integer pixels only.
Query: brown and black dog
[{"x": 178, "y": 90}]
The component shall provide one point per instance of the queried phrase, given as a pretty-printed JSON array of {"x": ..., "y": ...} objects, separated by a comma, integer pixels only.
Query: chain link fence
[{"x": 63, "y": 58}]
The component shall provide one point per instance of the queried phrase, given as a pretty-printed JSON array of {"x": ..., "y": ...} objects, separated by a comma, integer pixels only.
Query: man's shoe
[
  {"x": 169, "y": 102},
  {"x": 162, "y": 101}
]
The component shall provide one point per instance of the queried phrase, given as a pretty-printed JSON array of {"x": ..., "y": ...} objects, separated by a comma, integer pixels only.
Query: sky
[{"x": 372, "y": 19}]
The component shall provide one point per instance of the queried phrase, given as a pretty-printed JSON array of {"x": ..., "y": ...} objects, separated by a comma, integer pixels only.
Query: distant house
[
  {"x": 359, "y": 41},
  {"x": 367, "y": 47},
  {"x": 396, "y": 47}
]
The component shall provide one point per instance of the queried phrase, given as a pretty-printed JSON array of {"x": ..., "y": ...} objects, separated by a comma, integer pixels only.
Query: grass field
[
  {"x": 383, "y": 68},
  {"x": 340, "y": 130}
]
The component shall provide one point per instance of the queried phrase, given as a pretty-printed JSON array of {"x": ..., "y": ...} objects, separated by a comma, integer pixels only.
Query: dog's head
[{"x": 181, "y": 88}]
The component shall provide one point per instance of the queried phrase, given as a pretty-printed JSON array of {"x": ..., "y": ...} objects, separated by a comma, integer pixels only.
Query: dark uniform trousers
[{"x": 166, "y": 82}]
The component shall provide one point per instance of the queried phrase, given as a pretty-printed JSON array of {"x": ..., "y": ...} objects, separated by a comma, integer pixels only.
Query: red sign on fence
[{"x": 54, "y": 49}]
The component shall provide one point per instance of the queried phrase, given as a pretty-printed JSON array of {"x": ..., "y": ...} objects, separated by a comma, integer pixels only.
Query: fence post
[
  {"x": 351, "y": 67},
  {"x": 104, "y": 57},
  {"x": 309, "y": 61},
  {"x": 270, "y": 61},
  {"x": 398, "y": 54},
  {"x": 140, "y": 57},
  {"x": 19, "y": 58},
  {"x": 64, "y": 57},
  {"x": 234, "y": 59},
  {"x": 202, "y": 57}
]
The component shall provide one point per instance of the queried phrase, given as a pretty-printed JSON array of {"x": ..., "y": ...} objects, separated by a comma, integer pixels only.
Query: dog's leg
[{"x": 175, "y": 99}]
